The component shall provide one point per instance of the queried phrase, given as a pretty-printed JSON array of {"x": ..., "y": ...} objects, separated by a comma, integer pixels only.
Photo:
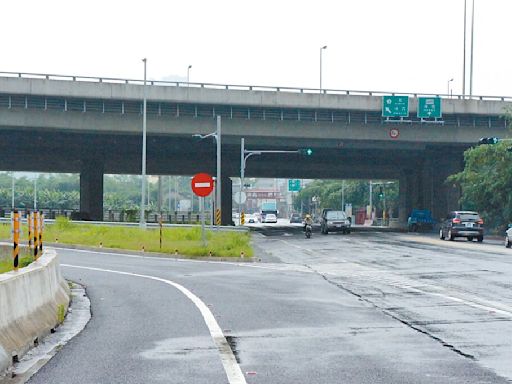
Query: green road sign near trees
[
  {"x": 429, "y": 107},
  {"x": 293, "y": 185},
  {"x": 395, "y": 106}
]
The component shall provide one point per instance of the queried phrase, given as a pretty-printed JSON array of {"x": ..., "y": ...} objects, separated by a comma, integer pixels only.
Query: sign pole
[
  {"x": 242, "y": 176},
  {"x": 203, "y": 236},
  {"x": 219, "y": 182}
]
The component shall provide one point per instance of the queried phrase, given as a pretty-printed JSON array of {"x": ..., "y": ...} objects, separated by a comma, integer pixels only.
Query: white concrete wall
[{"x": 29, "y": 301}]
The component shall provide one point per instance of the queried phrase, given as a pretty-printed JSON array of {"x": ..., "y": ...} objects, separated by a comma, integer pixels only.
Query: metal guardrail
[
  {"x": 7, "y": 220},
  {"x": 113, "y": 80}
]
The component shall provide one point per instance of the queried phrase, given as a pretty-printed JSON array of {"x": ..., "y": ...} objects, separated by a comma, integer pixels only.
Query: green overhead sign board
[
  {"x": 429, "y": 107},
  {"x": 293, "y": 185},
  {"x": 395, "y": 106}
]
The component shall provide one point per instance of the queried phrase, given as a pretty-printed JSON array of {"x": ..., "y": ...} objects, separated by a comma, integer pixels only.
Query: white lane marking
[
  {"x": 269, "y": 266},
  {"x": 407, "y": 284},
  {"x": 231, "y": 367}
]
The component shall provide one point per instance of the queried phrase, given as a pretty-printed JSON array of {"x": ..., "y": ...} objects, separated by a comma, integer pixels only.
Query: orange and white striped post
[
  {"x": 36, "y": 235},
  {"x": 16, "y": 239}
]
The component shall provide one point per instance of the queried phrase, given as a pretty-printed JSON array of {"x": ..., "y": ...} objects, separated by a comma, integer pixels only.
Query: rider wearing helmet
[{"x": 308, "y": 220}]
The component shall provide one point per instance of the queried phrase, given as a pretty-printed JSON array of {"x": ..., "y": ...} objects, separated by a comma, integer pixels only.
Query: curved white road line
[{"x": 231, "y": 367}]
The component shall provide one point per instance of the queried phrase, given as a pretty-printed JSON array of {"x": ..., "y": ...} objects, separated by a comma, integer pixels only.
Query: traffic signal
[
  {"x": 488, "y": 140},
  {"x": 381, "y": 193},
  {"x": 306, "y": 151}
]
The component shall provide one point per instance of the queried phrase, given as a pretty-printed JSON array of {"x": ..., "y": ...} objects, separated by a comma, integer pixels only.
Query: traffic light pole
[{"x": 246, "y": 153}]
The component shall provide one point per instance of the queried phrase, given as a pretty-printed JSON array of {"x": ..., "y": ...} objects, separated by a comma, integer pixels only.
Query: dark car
[
  {"x": 334, "y": 221},
  {"x": 295, "y": 218},
  {"x": 466, "y": 224}
]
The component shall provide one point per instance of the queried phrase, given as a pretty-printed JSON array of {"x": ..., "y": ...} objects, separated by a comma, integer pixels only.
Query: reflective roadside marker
[
  {"x": 41, "y": 225},
  {"x": 36, "y": 235},
  {"x": 217, "y": 217},
  {"x": 16, "y": 239}
]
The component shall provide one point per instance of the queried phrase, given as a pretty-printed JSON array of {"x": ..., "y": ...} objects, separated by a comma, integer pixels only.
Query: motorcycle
[{"x": 308, "y": 231}]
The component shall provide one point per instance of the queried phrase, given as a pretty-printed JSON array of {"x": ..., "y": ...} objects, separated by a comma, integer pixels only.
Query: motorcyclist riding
[{"x": 308, "y": 221}]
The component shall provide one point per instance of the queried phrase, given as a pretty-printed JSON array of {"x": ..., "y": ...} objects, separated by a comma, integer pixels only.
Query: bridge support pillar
[
  {"x": 227, "y": 201},
  {"x": 91, "y": 190}
]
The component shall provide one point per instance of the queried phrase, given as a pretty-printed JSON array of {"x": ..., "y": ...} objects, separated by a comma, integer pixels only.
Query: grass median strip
[{"x": 186, "y": 240}]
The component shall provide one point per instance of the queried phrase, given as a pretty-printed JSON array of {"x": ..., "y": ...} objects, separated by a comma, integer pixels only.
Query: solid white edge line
[{"x": 231, "y": 367}]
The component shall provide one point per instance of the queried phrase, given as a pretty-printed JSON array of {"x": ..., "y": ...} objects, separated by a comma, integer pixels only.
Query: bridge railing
[{"x": 113, "y": 80}]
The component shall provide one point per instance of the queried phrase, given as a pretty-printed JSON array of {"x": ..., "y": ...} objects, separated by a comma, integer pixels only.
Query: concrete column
[
  {"x": 402, "y": 199},
  {"x": 91, "y": 190},
  {"x": 227, "y": 201}
]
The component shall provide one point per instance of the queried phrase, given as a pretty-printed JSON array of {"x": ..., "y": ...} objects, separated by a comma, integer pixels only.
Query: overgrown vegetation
[
  {"x": 186, "y": 240},
  {"x": 328, "y": 193},
  {"x": 486, "y": 183}
]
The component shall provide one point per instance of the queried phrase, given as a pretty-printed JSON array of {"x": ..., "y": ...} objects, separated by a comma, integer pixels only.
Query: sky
[{"x": 380, "y": 45}]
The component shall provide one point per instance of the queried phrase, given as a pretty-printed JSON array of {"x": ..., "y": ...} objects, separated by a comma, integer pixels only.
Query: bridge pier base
[
  {"x": 91, "y": 190},
  {"x": 227, "y": 201}
]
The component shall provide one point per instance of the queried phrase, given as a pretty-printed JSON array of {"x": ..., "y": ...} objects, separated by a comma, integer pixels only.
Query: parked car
[
  {"x": 251, "y": 219},
  {"x": 295, "y": 218},
  {"x": 334, "y": 221},
  {"x": 420, "y": 219},
  {"x": 466, "y": 224},
  {"x": 508, "y": 236},
  {"x": 270, "y": 218}
]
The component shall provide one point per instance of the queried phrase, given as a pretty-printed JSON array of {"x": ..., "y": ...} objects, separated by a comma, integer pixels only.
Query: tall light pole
[
  {"x": 35, "y": 193},
  {"x": 217, "y": 135},
  {"x": 448, "y": 90},
  {"x": 142, "y": 220},
  {"x": 188, "y": 74},
  {"x": 464, "y": 55},
  {"x": 321, "y": 49},
  {"x": 12, "y": 190},
  {"x": 218, "y": 184},
  {"x": 471, "y": 58}
]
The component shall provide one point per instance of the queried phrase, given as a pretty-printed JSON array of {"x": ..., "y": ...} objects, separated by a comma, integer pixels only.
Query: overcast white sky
[{"x": 387, "y": 45}]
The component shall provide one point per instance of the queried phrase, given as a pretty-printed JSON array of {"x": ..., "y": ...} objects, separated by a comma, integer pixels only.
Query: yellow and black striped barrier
[
  {"x": 16, "y": 239},
  {"x": 36, "y": 235},
  {"x": 41, "y": 225},
  {"x": 30, "y": 225},
  {"x": 242, "y": 218},
  {"x": 218, "y": 217}
]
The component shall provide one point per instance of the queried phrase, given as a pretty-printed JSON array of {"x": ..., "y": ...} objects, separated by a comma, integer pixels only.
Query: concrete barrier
[{"x": 29, "y": 304}]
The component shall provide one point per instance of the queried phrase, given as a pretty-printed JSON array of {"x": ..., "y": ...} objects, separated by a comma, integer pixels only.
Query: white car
[
  {"x": 508, "y": 237},
  {"x": 270, "y": 218}
]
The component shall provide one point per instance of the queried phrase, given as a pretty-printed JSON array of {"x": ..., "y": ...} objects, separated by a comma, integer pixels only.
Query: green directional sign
[
  {"x": 294, "y": 185},
  {"x": 429, "y": 107},
  {"x": 395, "y": 106}
]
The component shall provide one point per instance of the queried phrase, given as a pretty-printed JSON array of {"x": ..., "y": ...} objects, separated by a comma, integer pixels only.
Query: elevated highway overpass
[{"x": 92, "y": 126}]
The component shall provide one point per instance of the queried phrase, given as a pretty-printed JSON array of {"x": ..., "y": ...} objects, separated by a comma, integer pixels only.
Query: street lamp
[
  {"x": 142, "y": 220},
  {"x": 321, "y": 49},
  {"x": 217, "y": 135},
  {"x": 449, "y": 81},
  {"x": 188, "y": 74}
]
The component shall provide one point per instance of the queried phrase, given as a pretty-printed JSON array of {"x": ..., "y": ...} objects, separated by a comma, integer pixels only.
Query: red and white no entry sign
[
  {"x": 394, "y": 133},
  {"x": 202, "y": 184}
]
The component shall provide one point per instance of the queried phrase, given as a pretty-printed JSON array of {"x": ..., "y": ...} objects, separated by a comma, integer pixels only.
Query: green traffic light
[{"x": 309, "y": 151}]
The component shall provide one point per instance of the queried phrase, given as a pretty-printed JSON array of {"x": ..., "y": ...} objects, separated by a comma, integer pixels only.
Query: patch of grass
[
  {"x": 61, "y": 313},
  {"x": 186, "y": 240},
  {"x": 6, "y": 262}
]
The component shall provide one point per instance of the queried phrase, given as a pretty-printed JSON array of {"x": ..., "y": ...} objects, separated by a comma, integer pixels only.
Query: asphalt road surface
[{"x": 358, "y": 308}]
